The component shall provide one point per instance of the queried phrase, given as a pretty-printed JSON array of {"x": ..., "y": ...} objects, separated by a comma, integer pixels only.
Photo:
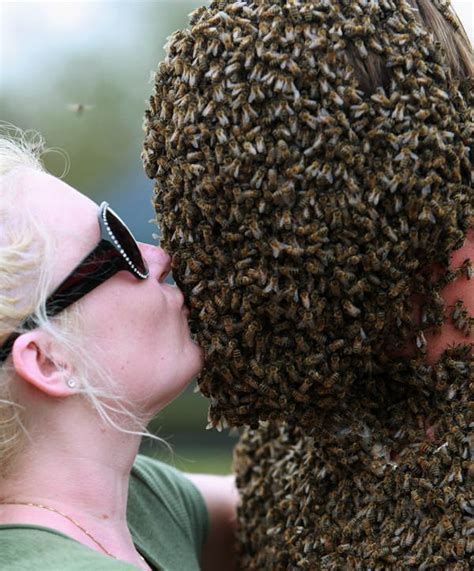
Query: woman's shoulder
[
  {"x": 166, "y": 481},
  {"x": 26, "y": 547},
  {"x": 161, "y": 493},
  {"x": 170, "y": 488}
]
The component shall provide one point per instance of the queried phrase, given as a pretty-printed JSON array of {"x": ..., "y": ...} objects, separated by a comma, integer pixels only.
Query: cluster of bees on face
[
  {"x": 353, "y": 494},
  {"x": 301, "y": 211},
  {"x": 298, "y": 220}
]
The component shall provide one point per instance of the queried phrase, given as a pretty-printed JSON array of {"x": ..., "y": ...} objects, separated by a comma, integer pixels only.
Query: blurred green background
[{"x": 56, "y": 55}]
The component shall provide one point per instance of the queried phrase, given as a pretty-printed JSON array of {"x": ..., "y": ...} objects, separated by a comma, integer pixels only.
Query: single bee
[
  {"x": 295, "y": 252},
  {"x": 447, "y": 524},
  {"x": 449, "y": 277},
  {"x": 265, "y": 389},
  {"x": 305, "y": 299},
  {"x": 256, "y": 368},
  {"x": 336, "y": 345},
  {"x": 249, "y": 335},
  {"x": 293, "y": 7},
  {"x": 301, "y": 345},
  {"x": 238, "y": 360},
  {"x": 79, "y": 108},
  {"x": 350, "y": 309},
  {"x": 467, "y": 268},
  {"x": 331, "y": 380}
]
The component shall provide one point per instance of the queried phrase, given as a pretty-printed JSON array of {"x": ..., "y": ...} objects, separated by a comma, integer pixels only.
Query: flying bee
[{"x": 79, "y": 108}]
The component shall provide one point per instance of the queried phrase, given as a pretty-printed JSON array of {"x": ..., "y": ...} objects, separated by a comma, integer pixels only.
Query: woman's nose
[
  {"x": 156, "y": 256},
  {"x": 165, "y": 262}
]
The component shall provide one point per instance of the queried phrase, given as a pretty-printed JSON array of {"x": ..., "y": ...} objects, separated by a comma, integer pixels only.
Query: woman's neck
[{"x": 81, "y": 470}]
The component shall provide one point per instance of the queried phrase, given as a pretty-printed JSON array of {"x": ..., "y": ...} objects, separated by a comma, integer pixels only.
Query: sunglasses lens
[{"x": 126, "y": 240}]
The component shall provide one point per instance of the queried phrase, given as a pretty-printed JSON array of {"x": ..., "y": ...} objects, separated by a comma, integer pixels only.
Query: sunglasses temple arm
[{"x": 75, "y": 286}]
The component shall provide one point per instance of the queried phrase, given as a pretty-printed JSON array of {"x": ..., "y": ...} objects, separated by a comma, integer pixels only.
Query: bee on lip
[{"x": 303, "y": 201}]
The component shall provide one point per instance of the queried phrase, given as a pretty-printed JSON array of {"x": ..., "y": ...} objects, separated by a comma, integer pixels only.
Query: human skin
[
  {"x": 152, "y": 322},
  {"x": 139, "y": 331},
  {"x": 461, "y": 288}
]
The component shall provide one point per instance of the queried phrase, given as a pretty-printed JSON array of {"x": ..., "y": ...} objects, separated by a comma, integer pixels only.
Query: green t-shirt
[{"x": 166, "y": 514}]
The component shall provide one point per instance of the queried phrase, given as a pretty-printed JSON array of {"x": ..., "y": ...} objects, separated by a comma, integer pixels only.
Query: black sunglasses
[{"x": 117, "y": 250}]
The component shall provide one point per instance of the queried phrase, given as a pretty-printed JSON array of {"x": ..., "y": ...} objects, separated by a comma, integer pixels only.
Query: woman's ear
[{"x": 33, "y": 365}]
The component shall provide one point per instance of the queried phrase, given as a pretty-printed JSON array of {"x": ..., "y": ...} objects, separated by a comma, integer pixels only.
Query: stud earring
[{"x": 71, "y": 383}]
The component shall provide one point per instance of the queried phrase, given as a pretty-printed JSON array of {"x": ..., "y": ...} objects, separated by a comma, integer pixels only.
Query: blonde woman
[{"x": 93, "y": 343}]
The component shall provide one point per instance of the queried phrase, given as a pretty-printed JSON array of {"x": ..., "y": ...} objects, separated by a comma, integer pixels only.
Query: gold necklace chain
[{"x": 96, "y": 541}]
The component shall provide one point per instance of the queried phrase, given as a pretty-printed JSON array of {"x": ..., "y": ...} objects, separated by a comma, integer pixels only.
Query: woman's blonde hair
[{"x": 26, "y": 270}]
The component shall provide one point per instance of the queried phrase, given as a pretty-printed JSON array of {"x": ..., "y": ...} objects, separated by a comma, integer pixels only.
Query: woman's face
[{"x": 137, "y": 329}]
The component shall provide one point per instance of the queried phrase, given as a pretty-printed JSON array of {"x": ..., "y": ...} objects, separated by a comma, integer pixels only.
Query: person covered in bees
[{"x": 313, "y": 168}]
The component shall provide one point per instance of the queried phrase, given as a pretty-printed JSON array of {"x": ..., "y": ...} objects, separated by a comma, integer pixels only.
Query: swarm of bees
[
  {"x": 389, "y": 488},
  {"x": 304, "y": 210}
]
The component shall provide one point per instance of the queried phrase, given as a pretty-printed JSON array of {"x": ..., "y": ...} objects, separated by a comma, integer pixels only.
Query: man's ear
[{"x": 34, "y": 366}]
